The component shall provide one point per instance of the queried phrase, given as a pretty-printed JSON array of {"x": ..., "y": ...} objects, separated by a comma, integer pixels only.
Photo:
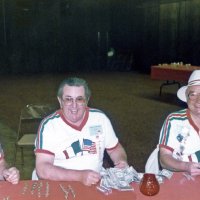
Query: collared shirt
[
  {"x": 180, "y": 135},
  {"x": 76, "y": 147}
]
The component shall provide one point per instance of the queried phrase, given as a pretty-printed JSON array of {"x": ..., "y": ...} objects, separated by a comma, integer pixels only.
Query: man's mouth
[{"x": 74, "y": 111}]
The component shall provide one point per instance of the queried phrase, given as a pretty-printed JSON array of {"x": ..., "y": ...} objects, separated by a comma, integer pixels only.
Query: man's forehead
[
  {"x": 79, "y": 90},
  {"x": 193, "y": 88}
]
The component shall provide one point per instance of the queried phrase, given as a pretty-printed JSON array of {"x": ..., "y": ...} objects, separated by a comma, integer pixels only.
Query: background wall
[{"x": 73, "y": 35}]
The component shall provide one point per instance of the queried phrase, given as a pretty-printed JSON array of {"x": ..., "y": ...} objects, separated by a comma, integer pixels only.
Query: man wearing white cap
[{"x": 179, "y": 141}]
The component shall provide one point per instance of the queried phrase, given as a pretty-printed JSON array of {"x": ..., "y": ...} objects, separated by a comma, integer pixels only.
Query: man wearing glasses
[
  {"x": 70, "y": 143},
  {"x": 7, "y": 174},
  {"x": 180, "y": 135}
]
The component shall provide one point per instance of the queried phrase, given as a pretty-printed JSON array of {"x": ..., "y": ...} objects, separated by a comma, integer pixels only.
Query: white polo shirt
[
  {"x": 180, "y": 135},
  {"x": 75, "y": 147}
]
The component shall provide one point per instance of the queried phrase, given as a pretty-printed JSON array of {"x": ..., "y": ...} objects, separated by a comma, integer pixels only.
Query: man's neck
[{"x": 196, "y": 119}]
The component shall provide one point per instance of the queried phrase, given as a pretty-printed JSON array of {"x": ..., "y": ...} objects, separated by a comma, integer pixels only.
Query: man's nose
[
  {"x": 198, "y": 98},
  {"x": 74, "y": 103}
]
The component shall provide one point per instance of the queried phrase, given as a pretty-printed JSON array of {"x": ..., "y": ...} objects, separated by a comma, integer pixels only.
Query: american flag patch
[{"x": 89, "y": 145}]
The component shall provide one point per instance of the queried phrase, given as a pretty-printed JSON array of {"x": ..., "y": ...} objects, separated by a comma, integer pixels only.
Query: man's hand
[
  {"x": 90, "y": 177},
  {"x": 193, "y": 168},
  {"x": 11, "y": 175},
  {"x": 121, "y": 164}
]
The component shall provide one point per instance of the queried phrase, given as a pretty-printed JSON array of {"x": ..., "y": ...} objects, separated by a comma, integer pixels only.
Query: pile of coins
[
  {"x": 40, "y": 190},
  {"x": 67, "y": 191},
  {"x": 37, "y": 188}
]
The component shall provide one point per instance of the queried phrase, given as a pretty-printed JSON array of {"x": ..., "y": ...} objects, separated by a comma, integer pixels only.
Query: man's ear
[
  {"x": 88, "y": 100},
  {"x": 59, "y": 100}
]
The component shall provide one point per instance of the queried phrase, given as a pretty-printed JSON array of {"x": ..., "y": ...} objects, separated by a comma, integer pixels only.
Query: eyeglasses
[
  {"x": 69, "y": 100},
  {"x": 193, "y": 95}
]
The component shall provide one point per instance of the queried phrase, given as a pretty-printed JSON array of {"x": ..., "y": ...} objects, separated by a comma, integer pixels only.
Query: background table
[
  {"x": 172, "y": 74},
  {"x": 178, "y": 187}
]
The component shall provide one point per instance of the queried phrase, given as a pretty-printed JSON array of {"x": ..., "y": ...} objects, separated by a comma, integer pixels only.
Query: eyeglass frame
[
  {"x": 72, "y": 100},
  {"x": 195, "y": 95}
]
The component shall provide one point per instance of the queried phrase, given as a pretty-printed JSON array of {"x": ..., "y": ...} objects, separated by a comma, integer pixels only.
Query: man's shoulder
[
  {"x": 98, "y": 114},
  {"x": 96, "y": 111},
  {"x": 180, "y": 114},
  {"x": 54, "y": 115}
]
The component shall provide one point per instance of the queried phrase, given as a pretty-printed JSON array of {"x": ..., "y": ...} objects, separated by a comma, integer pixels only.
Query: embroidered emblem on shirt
[
  {"x": 76, "y": 149},
  {"x": 95, "y": 130},
  {"x": 182, "y": 138},
  {"x": 179, "y": 137}
]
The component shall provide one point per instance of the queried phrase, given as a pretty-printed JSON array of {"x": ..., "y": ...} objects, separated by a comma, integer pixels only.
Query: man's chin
[{"x": 74, "y": 120}]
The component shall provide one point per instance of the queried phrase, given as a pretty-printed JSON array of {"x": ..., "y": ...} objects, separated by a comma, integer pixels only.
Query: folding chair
[{"x": 29, "y": 120}]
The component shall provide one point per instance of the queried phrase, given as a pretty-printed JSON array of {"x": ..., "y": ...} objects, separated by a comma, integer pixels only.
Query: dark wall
[
  {"x": 72, "y": 35},
  {"x": 170, "y": 32},
  {"x": 47, "y": 35}
]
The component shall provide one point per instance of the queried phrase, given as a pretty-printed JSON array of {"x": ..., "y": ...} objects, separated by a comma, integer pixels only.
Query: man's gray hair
[{"x": 74, "y": 81}]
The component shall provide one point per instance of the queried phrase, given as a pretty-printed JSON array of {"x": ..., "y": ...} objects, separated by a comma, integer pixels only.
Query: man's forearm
[
  {"x": 51, "y": 172},
  {"x": 170, "y": 163},
  {"x": 118, "y": 155}
]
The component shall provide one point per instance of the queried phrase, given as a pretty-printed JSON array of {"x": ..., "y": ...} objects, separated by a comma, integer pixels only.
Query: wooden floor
[{"x": 130, "y": 99}]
